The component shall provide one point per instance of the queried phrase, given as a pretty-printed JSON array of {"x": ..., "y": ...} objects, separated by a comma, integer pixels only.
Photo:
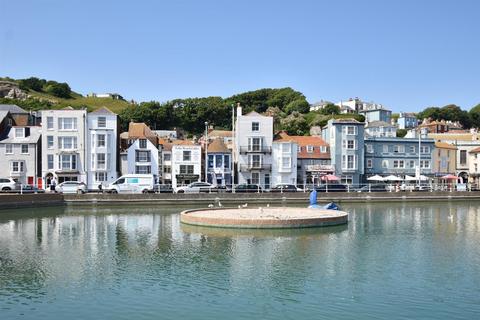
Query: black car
[
  {"x": 285, "y": 188},
  {"x": 378, "y": 187},
  {"x": 332, "y": 187},
  {"x": 251, "y": 188},
  {"x": 162, "y": 188}
]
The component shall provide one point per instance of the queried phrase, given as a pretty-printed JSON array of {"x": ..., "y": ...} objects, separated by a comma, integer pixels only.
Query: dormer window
[
  {"x": 255, "y": 126},
  {"x": 19, "y": 133},
  {"x": 143, "y": 143},
  {"x": 309, "y": 149}
]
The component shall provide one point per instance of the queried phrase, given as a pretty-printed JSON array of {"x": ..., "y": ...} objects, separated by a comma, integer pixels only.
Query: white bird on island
[
  {"x": 220, "y": 204},
  {"x": 210, "y": 205},
  {"x": 239, "y": 207},
  {"x": 245, "y": 205},
  {"x": 268, "y": 205}
]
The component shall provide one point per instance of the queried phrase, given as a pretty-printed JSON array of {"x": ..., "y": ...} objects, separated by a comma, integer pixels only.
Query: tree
[
  {"x": 299, "y": 105},
  {"x": 330, "y": 109},
  {"x": 401, "y": 133},
  {"x": 295, "y": 124},
  {"x": 32, "y": 83},
  {"x": 61, "y": 90},
  {"x": 474, "y": 114}
]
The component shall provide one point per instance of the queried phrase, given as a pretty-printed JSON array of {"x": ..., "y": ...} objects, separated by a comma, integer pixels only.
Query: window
[
  {"x": 299, "y": 149},
  {"x": 100, "y": 140},
  {"x": 266, "y": 179},
  {"x": 187, "y": 155},
  {"x": 412, "y": 163},
  {"x": 19, "y": 133},
  {"x": 255, "y": 161},
  {"x": 384, "y": 164},
  {"x": 425, "y": 164},
  {"x": 349, "y": 144},
  {"x": 218, "y": 161},
  {"x": 101, "y": 161},
  {"x": 142, "y": 143},
  {"x": 309, "y": 149},
  {"x": 67, "y": 143},
  {"x": 186, "y": 169},
  {"x": 143, "y": 169},
  {"x": 255, "y": 144},
  {"x": 49, "y": 142},
  {"x": 369, "y": 148},
  {"x": 142, "y": 156},
  {"x": 210, "y": 160},
  {"x": 323, "y": 149},
  {"x": 167, "y": 157},
  {"x": 463, "y": 157},
  {"x": 385, "y": 148},
  {"x": 255, "y": 126},
  {"x": 8, "y": 148},
  {"x": 412, "y": 149},
  {"x": 100, "y": 176},
  {"x": 255, "y": 177},
  {"x": 347, "y": 179},
  {"x": 286, "y": 162},
  {"x": 67, "y": 123},
  {"x": 167, "y": 169},
  {"x": 50, "y": 161},
  {"x": 398, "y": 149},
  {"x": 350, "y": 130},
  {"x": 101, "y": 122},
  {"x": 424, "y": 149},
  {"x": 286, "y": 147},
  {"x": 349, "y": 162},
  {"x": 68, "y": 161},
  {"x": 49, "y": 123},
  {"x": 226, "y": 161},
  {"x": 24, "y": 148},
  {"x": 398, "y": 164},
  {"x": 17, "y": 166},
  {"x": 369, "y": 163}
]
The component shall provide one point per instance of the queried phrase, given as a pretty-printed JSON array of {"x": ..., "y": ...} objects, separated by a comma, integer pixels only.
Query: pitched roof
[
  {"x": 3, "y": 114},
  {"x": 444, "y": 145},
  {"x": 140, "y": 131},
  {"x": 315, "y": 142},
  {"x": 453, "y": 136},
  {"x": 166, "y": 144},
  {"x": 183, "y": 142},
  {"x": 253, "y": 114},
  {"x": 35, "y": 133},
  {"x": 102, "y": 110},
  {"x": 476, "y": 150},
  {"x": 217, "y": 146},
  {"x": 12, "y": 108},
  {"x": 282, "y": 136},
  {"x": 220, "y": 133}
]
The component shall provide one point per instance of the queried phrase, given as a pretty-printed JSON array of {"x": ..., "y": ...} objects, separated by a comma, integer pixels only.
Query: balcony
[
  {"x": 256, "y": 149},
  {"x": 254, "y": 167}
]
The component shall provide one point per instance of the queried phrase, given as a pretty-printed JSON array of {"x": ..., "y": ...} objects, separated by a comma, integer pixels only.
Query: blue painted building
[
  {"x": 378, "y": 114},
  {"x": 407, "y": 120},
  {"x": 346, "y": 139},
  {"x": 398, "y": 156}
]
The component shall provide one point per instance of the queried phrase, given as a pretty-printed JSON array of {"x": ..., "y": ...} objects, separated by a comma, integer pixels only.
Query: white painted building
[
  {"x": 284, "y": 160},
  {"x": 64, "y": 145},
  {"x": 102, "y": 137},
  {"x": 186, "y": 163},
  {"x": 20, "y": 152},
  {"x": 253, "y": 148}
]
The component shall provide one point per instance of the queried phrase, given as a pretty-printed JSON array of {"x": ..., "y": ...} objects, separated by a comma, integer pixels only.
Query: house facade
[
  {"x": 64, "y": 145},
  {"x": 444, "y": 159},
  {"x": 219, "y": 164},
  {"x": 20, "y": 155},
  {"x": 284, "y": 160},
  {"x": 346, "y": 140},
  {"x": 407, "y": 120},
  {"x": 398, "y": 156},
  {"x": 186, "y": 163},
  {"x": 166, "y": 160},
  {"x": 102, "y": 142},
  {"x": 253, "y": 148},
  {"x": 380, "y": 129}
]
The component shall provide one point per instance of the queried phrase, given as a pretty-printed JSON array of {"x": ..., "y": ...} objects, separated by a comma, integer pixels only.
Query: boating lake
[{"x": 393, "y": 260}]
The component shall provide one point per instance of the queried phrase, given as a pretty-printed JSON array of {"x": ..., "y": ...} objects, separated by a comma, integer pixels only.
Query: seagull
[
  {"x": 220, "y": 204},
  {"x": 239, "y": 207},
  {"x": 210, "y": 205},
  {"x": 268, "y": 205},
  {"x": 245, "y": 205}
]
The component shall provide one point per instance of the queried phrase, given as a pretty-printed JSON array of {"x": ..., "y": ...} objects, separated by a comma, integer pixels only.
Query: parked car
[
  {"x": 9, "y": 184},
  {"x": 71, "y": 187},
  {"x": 332, "y": 187},
  {"x": 162, "y": 188},
  {"x": 31, "y": 189},
  {"x": 377, "y": 187},
  {"x": 284, "y": 187},
  {"x": 196, "y": 187},
  {"x": 132, "y": 183},
  {"x": 250, "y": 188}
]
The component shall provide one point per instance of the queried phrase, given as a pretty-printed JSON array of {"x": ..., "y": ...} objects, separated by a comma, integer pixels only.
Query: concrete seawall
[{"x": 9, "y": 201}]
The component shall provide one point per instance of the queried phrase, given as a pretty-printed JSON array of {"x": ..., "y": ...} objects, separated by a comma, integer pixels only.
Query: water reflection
[{"x": 398, "y": 259}]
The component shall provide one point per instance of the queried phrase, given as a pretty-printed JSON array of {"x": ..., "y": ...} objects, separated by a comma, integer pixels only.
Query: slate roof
[
  {"x": 103, "y": 110},
  {"x": 12, "y": 108},
  {"x": 35, "y": 133}
]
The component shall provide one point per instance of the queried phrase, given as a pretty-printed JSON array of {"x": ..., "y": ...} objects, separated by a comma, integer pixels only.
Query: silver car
[
  {"x": 9, "y": 184},
  {"x": 71, "y": 187}
]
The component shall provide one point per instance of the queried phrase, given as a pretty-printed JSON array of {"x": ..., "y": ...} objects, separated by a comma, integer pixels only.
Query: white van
[{"x": 132, "y": 183}]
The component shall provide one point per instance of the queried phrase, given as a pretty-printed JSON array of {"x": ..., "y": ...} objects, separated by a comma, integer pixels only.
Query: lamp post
[
  {"x": 233, "y": 148},
  {"x": 206, "y": 152}
]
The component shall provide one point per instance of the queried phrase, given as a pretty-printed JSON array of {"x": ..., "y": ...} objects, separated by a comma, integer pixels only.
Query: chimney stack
[{"x": 239, "y": 109}]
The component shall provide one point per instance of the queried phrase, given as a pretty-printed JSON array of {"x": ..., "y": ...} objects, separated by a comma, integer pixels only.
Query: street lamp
[{"x": 206, "y": 152}]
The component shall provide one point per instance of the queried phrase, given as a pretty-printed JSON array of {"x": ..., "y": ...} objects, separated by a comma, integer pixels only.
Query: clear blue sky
[{"x": 404, "y": 54}]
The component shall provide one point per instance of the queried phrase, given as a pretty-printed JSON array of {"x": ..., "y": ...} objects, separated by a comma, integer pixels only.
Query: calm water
[{"x": 392, "y": 261}]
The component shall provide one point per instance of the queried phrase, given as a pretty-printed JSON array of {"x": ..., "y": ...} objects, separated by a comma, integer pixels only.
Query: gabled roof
[
  {"x": 12, "y": 108},
  {"x": 3, "y": 114},
  {"x": 314, "y": 141},
  {"x": 217, "y": 146},
  {"x": 34, "y": 136},
  {"x": 282, "y": 136},
  {"x": 166, "y": 144},
  {"x": 219, "y": 133},
  {"x": 183, "y": 143},
  {"x": 444, "y": 145},
  {"x": 141, "y": 131},
  {"x": 376, "y": 124},
  {"x": 103, "y": 110}
]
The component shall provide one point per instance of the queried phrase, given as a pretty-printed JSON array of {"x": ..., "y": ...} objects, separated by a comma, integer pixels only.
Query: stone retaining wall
[{"x": 9, "y": 201}]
